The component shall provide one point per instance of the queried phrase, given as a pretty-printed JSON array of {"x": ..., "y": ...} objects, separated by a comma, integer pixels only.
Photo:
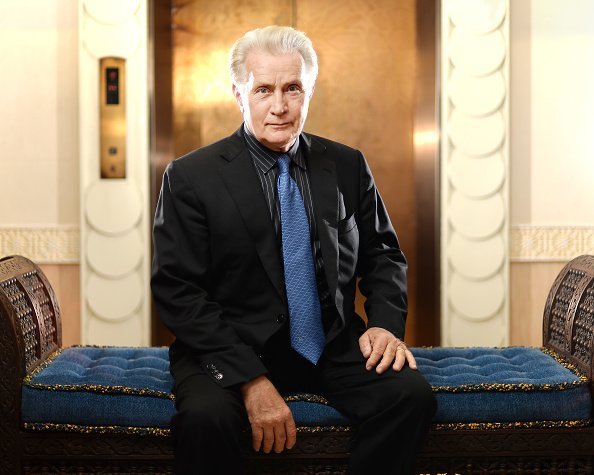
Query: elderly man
[{"x": 260, "y": 240}]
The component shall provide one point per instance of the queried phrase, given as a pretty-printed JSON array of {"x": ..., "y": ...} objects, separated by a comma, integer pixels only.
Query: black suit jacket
[{"x": 217, "y": 277}]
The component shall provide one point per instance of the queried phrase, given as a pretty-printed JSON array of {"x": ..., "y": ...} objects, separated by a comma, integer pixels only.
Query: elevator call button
[{"x": 112, "y": 109}]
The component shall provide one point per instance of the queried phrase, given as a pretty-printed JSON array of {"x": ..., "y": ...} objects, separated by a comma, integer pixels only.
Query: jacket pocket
[{"x": 345, "y": 225}]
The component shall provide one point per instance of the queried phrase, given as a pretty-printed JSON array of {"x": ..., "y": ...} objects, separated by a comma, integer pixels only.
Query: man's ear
[{"x": 238, "y": 98}]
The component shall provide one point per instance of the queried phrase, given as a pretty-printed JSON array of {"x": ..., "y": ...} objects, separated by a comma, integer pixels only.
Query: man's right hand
[{"x": 271, "y": 419}]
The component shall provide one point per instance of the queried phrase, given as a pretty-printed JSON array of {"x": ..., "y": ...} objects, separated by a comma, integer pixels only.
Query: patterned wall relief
[
  {"x": 474, "y": 167},
  {"x": 114, "y": 231},
  {"x": 58, "y": 244},
  {"x": 550, "y": 243}
]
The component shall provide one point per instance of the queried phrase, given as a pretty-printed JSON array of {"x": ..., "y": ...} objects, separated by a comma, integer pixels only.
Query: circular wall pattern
[
  {"x": 103, "y": 40},
  {"x": 475, "y": 162},
  {"x": 113, "y": 206},
  {"x": 476, "y": 260},
  {"x": 476, "y": 177},
  {"x": 475, "y": 16},
  {"x": 114, "y": 256},
  {"x": 111, "y": 11},
  {"x": 114, "y": 299},
  {"x": 477, "y": 55},
  {"x": 470, "y": 333},
  {"x": 123, "y": 333},
  {"x": 476, "y": 219},
  {"x": 476, "y": 95},
  {"x": 477, "y": 136},
  {"x": 476, "y": 300}
]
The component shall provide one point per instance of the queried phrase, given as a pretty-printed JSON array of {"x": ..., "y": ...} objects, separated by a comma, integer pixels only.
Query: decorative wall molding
[
  {"x": 56, "y": 244},
  {"x": 474, "y": 166},
  {"x": 550, "y": 243},
  {"x": 115, "y": 217}
]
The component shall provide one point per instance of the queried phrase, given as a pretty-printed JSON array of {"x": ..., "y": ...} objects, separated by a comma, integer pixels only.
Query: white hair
[{"x": 274, "y": 40}]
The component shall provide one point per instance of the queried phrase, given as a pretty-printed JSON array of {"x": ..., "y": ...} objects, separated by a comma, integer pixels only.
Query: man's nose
[{"x": 279, "y": 103}]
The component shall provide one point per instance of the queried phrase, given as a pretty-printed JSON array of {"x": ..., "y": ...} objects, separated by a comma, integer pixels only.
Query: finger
[
  {"x": 291, "y": 431},
  {"x": 257, "y": 435},
  {"x": 387, "y": 358},
  {"x": 400, "y": 358},
  {"x": 268, "y": 440},
  {"x": 365, "y": 345},
  {"x": 411, "y": 359},
  {"x": 379, "y": 346},
  {"x": 399, "y": 361},
  {"x": 280, "y": 437}
]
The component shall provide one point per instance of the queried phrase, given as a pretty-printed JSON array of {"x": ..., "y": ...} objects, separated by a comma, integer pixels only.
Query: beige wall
[
  {"x": 39, "y": 112},
  {"x": 552, "y": 150},
  {"x": 39, "y": 143},
  {"x": 551, "y": 146},
  {"x": 552, "y": 112}
]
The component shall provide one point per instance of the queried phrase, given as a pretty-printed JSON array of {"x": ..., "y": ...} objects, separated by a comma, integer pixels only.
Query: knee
[
  {"x": 418, "y": 396},
  {"x": 206, "y": 420},
  {"x": 413, "y": 395}
]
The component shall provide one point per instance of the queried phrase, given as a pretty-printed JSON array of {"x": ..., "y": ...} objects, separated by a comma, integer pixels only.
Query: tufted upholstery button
[{"x": 281, "y": 318}]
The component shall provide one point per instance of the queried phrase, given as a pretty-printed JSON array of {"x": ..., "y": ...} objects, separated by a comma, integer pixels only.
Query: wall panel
[
  {"x": 475, "y": 172},
  {"x": 115, "y": 216}
]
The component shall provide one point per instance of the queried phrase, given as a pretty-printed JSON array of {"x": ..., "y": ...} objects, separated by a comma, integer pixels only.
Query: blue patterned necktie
[{"x": 307, "y": 333}]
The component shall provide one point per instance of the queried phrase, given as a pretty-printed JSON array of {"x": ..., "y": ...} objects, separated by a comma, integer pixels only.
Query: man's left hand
[{"x": 382, "y": 350}]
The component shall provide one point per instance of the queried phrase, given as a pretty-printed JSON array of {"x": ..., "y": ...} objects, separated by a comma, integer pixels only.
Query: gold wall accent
[
  {"x": 365, "y": 98},
  {"x": 112, "y": 110},
  {"x": 203, "y": 32}
]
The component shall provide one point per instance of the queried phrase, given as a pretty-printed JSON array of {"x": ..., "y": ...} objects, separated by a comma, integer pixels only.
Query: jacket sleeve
[
  {"x": 180, "y": 283},
  {"x": 381, "y": 263}
]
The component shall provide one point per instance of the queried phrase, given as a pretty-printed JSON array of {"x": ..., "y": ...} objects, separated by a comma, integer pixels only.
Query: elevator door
[{"x": 366, "y": 95}]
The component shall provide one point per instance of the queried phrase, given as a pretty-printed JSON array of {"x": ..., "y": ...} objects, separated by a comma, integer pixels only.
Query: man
[{"x": 259, "y": 242}]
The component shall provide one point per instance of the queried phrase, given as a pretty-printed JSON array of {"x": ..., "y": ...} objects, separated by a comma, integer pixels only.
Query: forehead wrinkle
[{"x": 261, "y": 75}]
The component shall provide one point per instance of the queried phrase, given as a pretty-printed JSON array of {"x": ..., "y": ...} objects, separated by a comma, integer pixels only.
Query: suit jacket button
[
  {"x": 281, "y": 318},
  {"x": 218, "y": 376},
  {"x": 210, "y": 366}
]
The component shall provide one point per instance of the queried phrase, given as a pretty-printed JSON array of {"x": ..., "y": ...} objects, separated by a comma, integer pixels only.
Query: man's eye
[
  {"x": 262, "y": 90},
  {"x": 294, "y": 89}
]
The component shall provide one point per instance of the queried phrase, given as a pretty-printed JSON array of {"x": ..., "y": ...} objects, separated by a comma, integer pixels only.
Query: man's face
[{"x": 275, "y": 99}]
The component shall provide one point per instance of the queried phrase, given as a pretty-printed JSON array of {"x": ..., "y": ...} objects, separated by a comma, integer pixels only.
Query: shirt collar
[{"x": 266, "y": 158}]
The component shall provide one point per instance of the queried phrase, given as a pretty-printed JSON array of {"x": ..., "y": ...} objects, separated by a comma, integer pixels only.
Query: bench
[{"x": 88, "y": 409}]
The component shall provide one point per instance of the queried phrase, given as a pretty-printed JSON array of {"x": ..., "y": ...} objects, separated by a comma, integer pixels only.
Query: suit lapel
[
  {"x": 324, "y": 190},
  {"x": 241, "y": 180}
]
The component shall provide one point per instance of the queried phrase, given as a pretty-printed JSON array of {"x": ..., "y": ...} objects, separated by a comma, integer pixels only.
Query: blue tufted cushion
[
  {"x": 130, "y": 389},
  {"x": 102, "y": 387},
  {"x": 123, "y": 387},
  {"x": 503, "y": 385}
]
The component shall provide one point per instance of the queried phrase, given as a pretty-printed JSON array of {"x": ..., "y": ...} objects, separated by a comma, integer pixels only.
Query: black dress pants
[{"x": 393, "y": 411}]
